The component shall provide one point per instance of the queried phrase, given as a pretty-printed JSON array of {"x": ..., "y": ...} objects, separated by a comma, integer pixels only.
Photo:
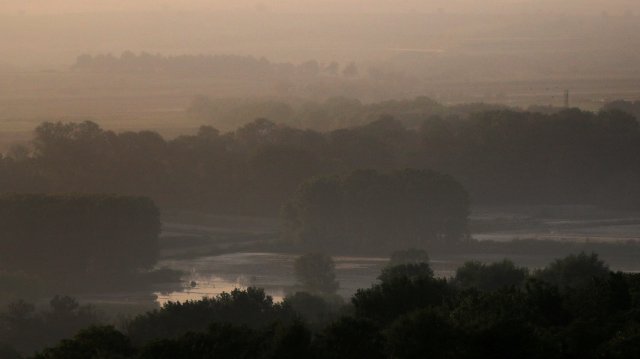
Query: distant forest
[
  {"x": 500, "y": 157},
  {"x": 208, "y": 65}
]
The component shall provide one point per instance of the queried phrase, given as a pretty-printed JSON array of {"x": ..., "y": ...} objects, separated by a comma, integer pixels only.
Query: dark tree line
[
  {"x": 64, "y": 238},
  {"x": 573, "y": 308},
  {"x": 500, "y": 157}
]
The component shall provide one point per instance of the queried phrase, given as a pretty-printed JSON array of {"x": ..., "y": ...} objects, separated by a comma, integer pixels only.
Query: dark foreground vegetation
[
  {"x": 500, "y": 157},
  {"x": 573, "y": 308}
]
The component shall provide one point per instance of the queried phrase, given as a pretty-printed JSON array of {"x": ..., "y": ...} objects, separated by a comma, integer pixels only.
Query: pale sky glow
[
  {"x": 474, "y": 6},
  {"x": 54, "y": 32}
]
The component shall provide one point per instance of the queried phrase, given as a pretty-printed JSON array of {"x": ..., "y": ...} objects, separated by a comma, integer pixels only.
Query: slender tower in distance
[{"x": 566, "y": 99}]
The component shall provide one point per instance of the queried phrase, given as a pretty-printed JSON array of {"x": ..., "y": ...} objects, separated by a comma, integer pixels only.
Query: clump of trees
[
  {"x": 369, "y": 209},
  {"x": 78, "y": 238}
]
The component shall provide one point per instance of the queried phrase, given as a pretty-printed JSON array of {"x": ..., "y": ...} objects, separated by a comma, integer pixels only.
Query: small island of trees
[{"x": 366, "y": 209}]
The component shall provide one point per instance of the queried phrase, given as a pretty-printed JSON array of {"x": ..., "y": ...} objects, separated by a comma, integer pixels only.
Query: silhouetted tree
[
  {"x": 574, "y": 271},
  {"x": 315, "y": 273}
]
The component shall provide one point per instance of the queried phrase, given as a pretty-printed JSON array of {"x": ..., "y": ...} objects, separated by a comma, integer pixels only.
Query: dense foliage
[
  {"x": 252, "y": 308},
  {"x": 420, "y": 317},
  {"x": 500, "y": 157},
  {"x": 367, "y": 209},
  {"x": 70, "y": 237}
]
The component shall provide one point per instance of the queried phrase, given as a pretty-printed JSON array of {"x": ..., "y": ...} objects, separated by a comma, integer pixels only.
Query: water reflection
[
  {"x": 198, "y": 287},
  {"x": 271, "y": 271}
]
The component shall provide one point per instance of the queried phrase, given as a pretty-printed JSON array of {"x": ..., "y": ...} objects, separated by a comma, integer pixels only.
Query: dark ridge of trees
[
  {"x": 500, "y": 157},
  {"x": 592, "y": 317},
  {"x": 366, "y": 209},
  {"x": 78, "y": 237}
]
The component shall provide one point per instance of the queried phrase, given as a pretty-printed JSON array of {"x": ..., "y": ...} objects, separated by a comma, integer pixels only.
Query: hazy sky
[
  {"x": 568, "y": 6},
  {"x": 54, "y": 32}
]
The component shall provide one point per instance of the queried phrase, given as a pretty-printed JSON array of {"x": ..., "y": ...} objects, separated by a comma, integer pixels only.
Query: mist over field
[{"x": 319, "y": 179}]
